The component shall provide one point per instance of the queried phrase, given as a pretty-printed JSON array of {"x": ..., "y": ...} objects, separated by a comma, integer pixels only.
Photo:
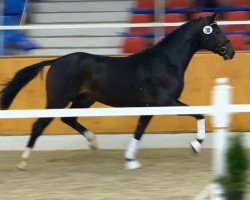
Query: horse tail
[{"x": 21, "y": 78}]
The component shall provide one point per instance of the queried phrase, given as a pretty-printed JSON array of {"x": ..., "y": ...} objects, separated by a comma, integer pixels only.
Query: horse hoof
[
  {"x": 93, "y": 144},
  {"x": 22, "y": 166},
  {"x": 196, "y": 146},
  {"x": 133, "y": 164},
  {"x": 93, "y": 147},
  {"x": 91, "y": 137}
]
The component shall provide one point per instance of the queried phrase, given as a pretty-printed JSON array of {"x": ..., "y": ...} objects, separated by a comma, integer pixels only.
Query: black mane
[{"x": 179, "y": 33}]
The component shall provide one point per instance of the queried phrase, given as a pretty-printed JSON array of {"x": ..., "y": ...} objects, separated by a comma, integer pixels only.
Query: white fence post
[{"x": 222, "y": 96}]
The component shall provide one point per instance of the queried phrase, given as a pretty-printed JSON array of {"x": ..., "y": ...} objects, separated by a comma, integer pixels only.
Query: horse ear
[
  {"x": 213, "y": 17},
  {"x": 210, "y": 19}
]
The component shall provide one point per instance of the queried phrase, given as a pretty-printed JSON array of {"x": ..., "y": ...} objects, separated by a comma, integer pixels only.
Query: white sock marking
[
  {"x": 89, "y": 136},
  {"x": 132, "y": 149},
  {"x": 201, "y": 129},
  {"x": 26, "y": 153}
]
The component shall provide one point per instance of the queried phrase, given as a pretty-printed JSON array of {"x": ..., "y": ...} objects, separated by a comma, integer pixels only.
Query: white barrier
[
  {"x": 105, "y": 112},
  {"x": 221, "y": 99},
  {"x": 108, "y": 112},
  {"x": 109, "y": 25}
]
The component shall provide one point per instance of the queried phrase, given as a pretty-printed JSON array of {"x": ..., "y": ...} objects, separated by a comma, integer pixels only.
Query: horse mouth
[{"x": 227, "y": 56}]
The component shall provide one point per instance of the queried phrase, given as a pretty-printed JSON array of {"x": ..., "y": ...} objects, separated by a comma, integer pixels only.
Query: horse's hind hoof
[
  {"x": 91, "y": 137},
  {"x": 93, "y": 146},
  {"x": 133, "y": 164},
  {"x": 22, "y": 166},
  {"x": 196, "y": 146}
]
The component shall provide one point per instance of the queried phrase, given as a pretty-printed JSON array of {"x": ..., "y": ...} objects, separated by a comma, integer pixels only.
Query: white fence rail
[
  {"x": 108, "y": 25},
  {"x": 105, "y": 112},
  {"x": 108, "y": 112}
]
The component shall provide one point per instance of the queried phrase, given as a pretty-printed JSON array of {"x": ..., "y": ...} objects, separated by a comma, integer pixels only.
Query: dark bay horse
[{"x": 153, "y": 77}]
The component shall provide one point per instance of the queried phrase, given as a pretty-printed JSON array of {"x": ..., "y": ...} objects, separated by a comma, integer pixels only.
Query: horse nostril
[{"x": 223, "y": 50}]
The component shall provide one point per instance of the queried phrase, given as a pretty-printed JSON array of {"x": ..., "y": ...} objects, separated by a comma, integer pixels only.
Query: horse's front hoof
[
  {"x": 196, "y": 146},
  {"x": 22, "y": 166},
  {"x": 133, "y": 164}
]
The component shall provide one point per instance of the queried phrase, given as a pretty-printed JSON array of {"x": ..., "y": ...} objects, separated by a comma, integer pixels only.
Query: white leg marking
[
  {"x": 130, "y": 155},
  {"x": 201, "y": 129},
  {"x": 25, "y": 156},
  {"x": 26, "y": 153},
  {"x": 133, "y": 164},
  {"x": 201, "y": 134},
  {"x": 131, "y": 150},
  {"x": 196, "y": 146},
  {"x": 91, "y": 138}
]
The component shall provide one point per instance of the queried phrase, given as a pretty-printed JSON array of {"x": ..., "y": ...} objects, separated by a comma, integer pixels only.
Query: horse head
[{"x": 213, "y": 39}]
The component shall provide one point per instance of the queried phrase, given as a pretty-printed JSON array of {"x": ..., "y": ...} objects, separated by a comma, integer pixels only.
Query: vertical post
[
  {"x": 159, "y": 12},
  {"x": 1, "y": 24},
  {"x": 24, "y": 13},
  {"x": 222, "y": 96}
]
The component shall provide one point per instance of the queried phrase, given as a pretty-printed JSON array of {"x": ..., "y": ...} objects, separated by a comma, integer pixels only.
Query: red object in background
[
  {"x": 179, "y": 4},
  {"x": 239, "y": 3},
  {"x": 145, "y": 4},
  {"x": 173, "y": 17},
  {"x": 220, "y": 3},
  {"x": 239, "y": 42},
  {"x": 237, "y": 16},
  {"x": 141, "y": 18},
  {"x": 134, "y": 45}
]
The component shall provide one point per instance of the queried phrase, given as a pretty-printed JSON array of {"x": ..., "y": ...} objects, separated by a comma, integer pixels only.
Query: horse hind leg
[
  {"x": 73, "y": 123},
  {"x": 37, "y": 130}
]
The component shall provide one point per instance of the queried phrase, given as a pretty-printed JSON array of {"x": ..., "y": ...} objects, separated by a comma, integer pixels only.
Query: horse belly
[{"x": 127, "y": 99}]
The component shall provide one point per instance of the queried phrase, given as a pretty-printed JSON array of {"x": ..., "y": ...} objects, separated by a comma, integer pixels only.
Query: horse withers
[{"x": 153, "y": 77}]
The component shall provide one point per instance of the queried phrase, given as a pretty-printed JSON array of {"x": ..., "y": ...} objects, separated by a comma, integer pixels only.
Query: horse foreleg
[
  {"x": 37, "y": 130},
  {"x": 131, "y": 151},
  {"x": 201, "y": 130},
  {"x": 201, "y": 133}
]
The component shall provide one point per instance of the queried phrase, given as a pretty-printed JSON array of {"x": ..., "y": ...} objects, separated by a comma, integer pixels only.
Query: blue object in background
[
  {"x": 21, "y": 41},
  {"x": 13, "y": 7},
  {"x": 13, "y": 10}
]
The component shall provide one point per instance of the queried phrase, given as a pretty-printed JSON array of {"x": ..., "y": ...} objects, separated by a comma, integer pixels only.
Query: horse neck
[{"x": 180, "y": 53}]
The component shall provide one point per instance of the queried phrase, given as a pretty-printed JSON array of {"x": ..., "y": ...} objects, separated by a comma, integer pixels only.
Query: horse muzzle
[
  {"x": 228, "y": 55},
  {"x": 226, "y": 51}
]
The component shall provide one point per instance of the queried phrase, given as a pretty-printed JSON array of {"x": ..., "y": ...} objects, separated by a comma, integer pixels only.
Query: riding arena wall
[{"x": 199, "y": 80}]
